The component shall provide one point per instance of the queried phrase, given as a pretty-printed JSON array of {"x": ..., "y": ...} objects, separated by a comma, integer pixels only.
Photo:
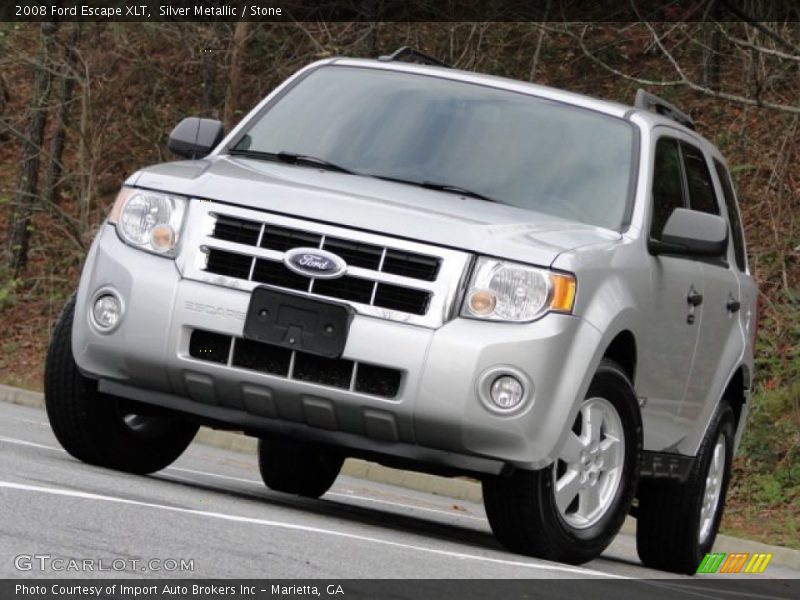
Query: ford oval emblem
[{"x": 312, "y": 262}]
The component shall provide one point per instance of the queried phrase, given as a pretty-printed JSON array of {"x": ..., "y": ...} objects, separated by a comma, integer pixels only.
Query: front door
[{"x": 674, "y": 313}]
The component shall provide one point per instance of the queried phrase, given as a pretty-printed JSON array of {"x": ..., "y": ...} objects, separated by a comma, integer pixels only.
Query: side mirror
[
  {"x": 195, "y": 137},
  {"x": 692, "y": 233}
]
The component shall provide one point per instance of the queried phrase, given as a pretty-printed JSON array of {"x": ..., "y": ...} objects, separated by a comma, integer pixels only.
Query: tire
[
  {"x": 677, "y": 523},
  {"x": 529, "y": 516},
  {"x": 101, "y": 429},
  {"x": 298, "y": 468}
]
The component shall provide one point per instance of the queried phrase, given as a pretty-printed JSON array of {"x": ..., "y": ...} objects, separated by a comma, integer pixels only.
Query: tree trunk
[
  {"x": 237, "y": 55},
  {"x": 209, "y": 68},
  {"x": 69, "y": 73},
  {"x": 5, "y": 95},
  {"x": 710, "y": 58},
  {"x": 19, "y": 222}
]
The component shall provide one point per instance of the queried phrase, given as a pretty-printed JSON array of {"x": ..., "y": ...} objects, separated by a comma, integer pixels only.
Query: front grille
[
  {"x": 345, "y": 288},
  {"x": 403, "y": 299},
  {"x": 274, "y": 273},
  {"x": 353, "y": 289},
  {"x": 339, "y": 373},
  {"x": 230, "y": 264},
  {"x": 240, "y": 231},
  {"x": 356, "y": 254},
  {"x": 407, "y": 264},
  {"x": 386, "y": 277},
  {"x": 283, "y": 239}
]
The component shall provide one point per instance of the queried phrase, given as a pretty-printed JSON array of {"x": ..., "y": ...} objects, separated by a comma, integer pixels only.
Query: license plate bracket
[{"x": 298, "y": 322}]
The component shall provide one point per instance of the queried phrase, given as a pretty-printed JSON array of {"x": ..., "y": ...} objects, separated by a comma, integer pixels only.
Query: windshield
[{"x": 509, "y": 147}]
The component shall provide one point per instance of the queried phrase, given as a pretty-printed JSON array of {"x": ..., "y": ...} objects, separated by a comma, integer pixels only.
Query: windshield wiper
[
  {"x": 298, "y": 159},
  {"x": 293, "y": 158},
  {"x": 456, "y": 189},
  {"x": 441, "y": 187}
]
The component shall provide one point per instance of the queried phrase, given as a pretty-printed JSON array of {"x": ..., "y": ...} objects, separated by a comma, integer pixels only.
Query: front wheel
[
  {"x": 571, "y": 511},
  {"x": 101, "y": 429},
  {"x": 299, "y": 468}
]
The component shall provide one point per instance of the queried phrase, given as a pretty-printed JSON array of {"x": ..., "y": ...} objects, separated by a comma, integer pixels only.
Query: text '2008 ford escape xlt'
[{"x": 437, "y": 270}]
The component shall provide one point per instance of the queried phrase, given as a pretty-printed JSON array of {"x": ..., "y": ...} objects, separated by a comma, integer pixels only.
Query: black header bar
[{"x": 396, "y": 10}]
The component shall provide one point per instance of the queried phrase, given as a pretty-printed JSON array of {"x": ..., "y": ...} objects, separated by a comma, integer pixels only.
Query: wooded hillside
[{"x": 84, "y": 105}]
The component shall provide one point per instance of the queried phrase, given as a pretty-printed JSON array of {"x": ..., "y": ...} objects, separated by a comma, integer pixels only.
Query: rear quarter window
[{"x": 735, "y": 221}]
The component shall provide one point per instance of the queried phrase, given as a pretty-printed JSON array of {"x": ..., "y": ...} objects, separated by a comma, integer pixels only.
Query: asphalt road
[{"x": 210, "y": 507}]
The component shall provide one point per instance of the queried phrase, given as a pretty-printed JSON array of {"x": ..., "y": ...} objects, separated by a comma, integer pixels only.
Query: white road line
[
  {"x": 218, "y": 475},
  {"x": 10, "y": 485},
  {"x": 260, "y": 484},
  {"x": 31, "y": 444},
  {"x": 31, "y": 421},
  {"x": 409, "y": 506}
]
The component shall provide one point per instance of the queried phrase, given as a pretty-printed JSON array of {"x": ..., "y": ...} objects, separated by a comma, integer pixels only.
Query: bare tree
[
  {"x": 5, "y": 95},
  {"x": 237, "y": 56},
  {"x": 65, "y": 97},
  {"x": 26, "y": 193},
  {"x": 769, "y": 48},
  {"x": 209, "y": 35},
  {"x": 712, "y": 46}
]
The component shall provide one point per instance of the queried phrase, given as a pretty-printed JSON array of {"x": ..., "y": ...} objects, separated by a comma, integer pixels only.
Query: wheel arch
[
  {"x": 737, "y": 394},
  {"x": 623, "y": 350}
]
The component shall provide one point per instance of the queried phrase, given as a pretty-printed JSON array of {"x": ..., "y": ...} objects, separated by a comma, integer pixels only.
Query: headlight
[
  {"x": 505, "y": 291},
  {"x": 149, "y": 220}
]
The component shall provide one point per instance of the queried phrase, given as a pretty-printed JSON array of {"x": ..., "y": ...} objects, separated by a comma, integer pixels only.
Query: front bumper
[{"x": 436, "y": 411}]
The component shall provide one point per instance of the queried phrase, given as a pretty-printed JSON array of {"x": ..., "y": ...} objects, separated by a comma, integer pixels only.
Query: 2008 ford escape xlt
[{"x": 436, "y": 270}]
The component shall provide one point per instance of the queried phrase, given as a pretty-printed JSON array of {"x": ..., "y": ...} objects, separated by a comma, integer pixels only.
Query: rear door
[
  {"x": 747, "y": 285},
  {"x": 721, "y": 342}
]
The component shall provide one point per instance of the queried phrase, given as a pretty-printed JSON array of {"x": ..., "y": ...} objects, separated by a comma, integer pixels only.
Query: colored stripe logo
[{"x": 735, "y": 562}]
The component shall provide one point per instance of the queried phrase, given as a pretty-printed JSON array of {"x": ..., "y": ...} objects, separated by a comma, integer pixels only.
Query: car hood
[{"x": 375, "y": 205}]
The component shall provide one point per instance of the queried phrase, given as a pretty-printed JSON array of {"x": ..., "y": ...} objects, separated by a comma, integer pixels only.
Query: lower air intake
[{"x": 301, "y": 366}]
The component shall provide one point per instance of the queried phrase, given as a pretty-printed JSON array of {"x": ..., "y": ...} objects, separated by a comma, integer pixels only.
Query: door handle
[
  {"x": 733, "y": 305},
  {"x": 694, "y": 298}
]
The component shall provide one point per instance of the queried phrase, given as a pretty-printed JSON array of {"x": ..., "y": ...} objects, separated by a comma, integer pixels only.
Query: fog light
[
  {"x": 106, "y": 311},
  {"x": 507, "y": 392}
]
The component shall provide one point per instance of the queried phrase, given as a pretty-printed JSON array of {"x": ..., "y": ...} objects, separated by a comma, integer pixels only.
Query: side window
[
  {"x": 733, "y": 215},
  {"x": 698, "y": 179},
  {"x": 667, "y": 184}
]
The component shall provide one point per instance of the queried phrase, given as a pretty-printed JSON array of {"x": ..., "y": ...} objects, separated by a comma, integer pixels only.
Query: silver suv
[{"x": 436, "y": 270}]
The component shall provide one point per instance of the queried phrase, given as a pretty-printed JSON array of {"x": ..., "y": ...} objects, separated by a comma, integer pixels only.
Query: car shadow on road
[
  {"x": 389, "y": 518},
  {"x": 467, "y": 535},
  {"x": 383, "y": 518}
]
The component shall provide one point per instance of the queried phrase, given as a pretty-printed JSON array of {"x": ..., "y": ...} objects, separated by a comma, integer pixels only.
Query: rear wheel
[
  {"x": 101, "y": 429},
  {"x": 298, "y": 468},
  {"x": 571, "y": 511},
  {"x": 677, "y": 523}
]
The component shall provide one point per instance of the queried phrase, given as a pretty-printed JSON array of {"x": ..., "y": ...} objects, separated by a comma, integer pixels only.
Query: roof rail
[
  {"x": 406, "y": 52},
  {"x": 653, "y": 103}
]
